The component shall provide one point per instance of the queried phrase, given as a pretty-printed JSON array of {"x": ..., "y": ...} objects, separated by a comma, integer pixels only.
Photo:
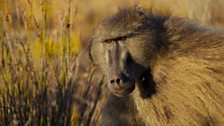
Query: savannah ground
[{"x": 45, "y": 74}]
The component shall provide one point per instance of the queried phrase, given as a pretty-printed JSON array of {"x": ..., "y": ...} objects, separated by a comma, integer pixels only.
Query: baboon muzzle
[
  {"x": 116, "y": 60},
  {"x": 115, "y": 63}
]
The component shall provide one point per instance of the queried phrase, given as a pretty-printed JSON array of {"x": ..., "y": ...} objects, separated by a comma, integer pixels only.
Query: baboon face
[{"x": 122, "y": 46}]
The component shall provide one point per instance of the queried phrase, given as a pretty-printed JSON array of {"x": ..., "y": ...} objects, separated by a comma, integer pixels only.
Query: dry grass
[
  {"x": 44, "y": 78},
  {"x": 36, "y": 88}
]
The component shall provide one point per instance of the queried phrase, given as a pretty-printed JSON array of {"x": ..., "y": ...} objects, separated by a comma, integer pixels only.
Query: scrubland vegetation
[{"x": 45, "y": 74}]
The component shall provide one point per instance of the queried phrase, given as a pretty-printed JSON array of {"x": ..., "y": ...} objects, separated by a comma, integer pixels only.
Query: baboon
[{"x": 161, "y": 70}]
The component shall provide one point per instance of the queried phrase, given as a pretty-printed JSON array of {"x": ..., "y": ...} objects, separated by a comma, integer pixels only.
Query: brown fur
[{"x": 186, "y": 62}]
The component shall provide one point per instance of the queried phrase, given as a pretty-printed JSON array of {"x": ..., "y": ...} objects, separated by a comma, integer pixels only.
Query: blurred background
[{"x": 46, "y": 77}]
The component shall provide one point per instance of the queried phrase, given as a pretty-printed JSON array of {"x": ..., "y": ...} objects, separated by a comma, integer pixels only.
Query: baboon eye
[
  {"x": 107, "y": 41},
  {"x": 122, "y": 38}
]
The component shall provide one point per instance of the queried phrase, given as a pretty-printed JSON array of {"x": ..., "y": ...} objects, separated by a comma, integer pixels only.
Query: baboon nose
[
  {"x": 118, "y": 81},
  {"x": 115, "y": 81}
]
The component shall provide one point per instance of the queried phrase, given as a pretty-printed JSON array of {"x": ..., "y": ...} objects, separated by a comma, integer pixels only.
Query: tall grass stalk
[{"x": 33, "y": 95}]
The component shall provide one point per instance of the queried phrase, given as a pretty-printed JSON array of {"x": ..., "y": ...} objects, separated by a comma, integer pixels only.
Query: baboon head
[{"x": 123, "y": 46}]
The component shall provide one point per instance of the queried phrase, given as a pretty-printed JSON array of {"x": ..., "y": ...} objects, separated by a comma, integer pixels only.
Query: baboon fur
[{"x": 184, "y": 65}]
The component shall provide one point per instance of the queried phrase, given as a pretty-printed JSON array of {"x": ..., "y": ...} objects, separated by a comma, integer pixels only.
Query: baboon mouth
[
  {"x": 123, "y": 90},
  {"x": 144, "y": 83}
]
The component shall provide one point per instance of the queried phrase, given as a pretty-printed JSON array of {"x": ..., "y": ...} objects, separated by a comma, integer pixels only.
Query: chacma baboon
[{"x": 164, "y": 70}]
